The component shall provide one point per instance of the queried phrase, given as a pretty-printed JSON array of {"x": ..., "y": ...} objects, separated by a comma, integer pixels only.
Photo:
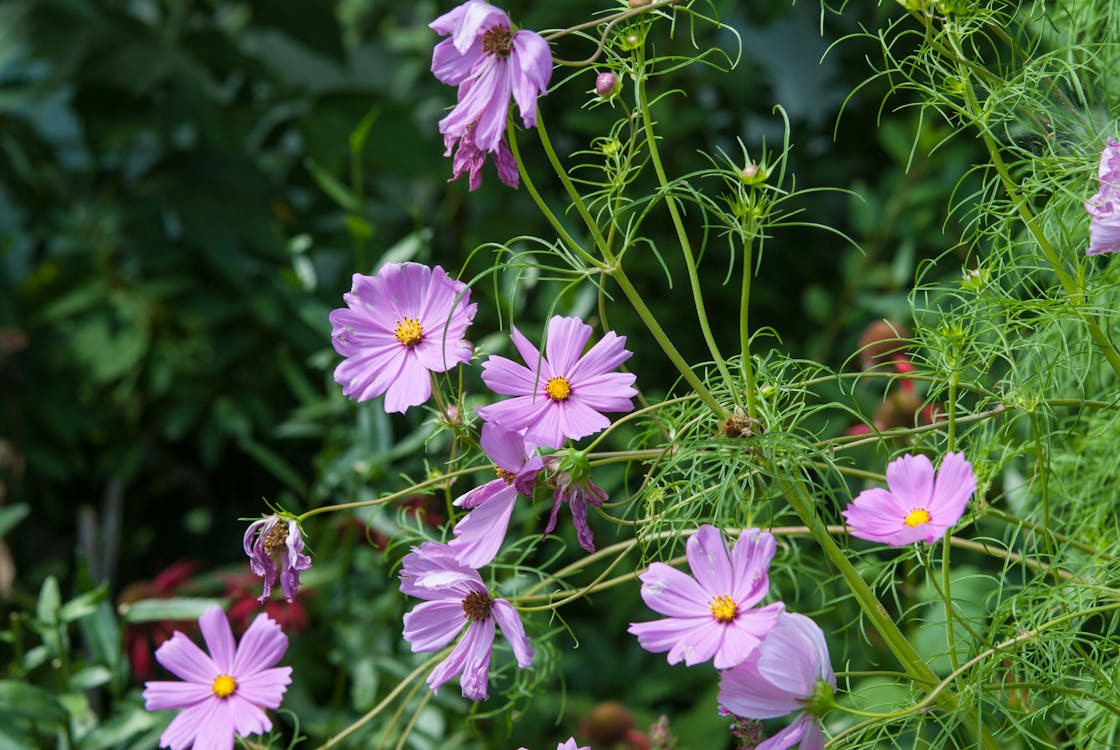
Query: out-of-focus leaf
[
  {"x": 154, "y": 610},
  {"x": 130, "y": 721},
  {"x": 25, "y": 701},
  {"x": 50, "y": 601},
  {"x": 84, "y": 604},
  {"x": 330, "y": 185},
  {"x": 11, "y": 515},
  {"x": 90, "y": 677}
]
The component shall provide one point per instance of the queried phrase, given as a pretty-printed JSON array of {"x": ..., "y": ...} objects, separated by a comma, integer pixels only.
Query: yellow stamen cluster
[
  {"x": 723, "y": 608},
  {"x": 224, "y": 685},
  {"x": 916, "y": 517},
  {"x": 409, "y": 332},
  {"x": 558, "y": 388}
]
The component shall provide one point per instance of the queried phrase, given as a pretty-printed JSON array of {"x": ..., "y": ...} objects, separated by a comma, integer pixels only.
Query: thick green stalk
[{"x": 747, "y": 364}]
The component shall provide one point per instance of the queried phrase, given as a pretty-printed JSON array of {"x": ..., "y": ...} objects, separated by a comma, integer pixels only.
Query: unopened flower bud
[
  {"x": 753, "y": 174},
  {"x": 607, "y": 85}
]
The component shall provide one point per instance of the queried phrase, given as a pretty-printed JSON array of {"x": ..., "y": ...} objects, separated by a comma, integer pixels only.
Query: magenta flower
[
  {"x": 789, "y": 672},
  {"x": 561, "y": 394},
  {"x": 223, "y": 694},
  {"x": 489, "y": 62},
  {"x": 455, "y": 596},
  {"x": 398, "y": 326},
  {"x": 479, "y": 536},
  {"x": 710, "y": 615},
  {"x": 571, "y": 480},
  {"x": 275, "y": 547},
  {"x": 1104, "y": 207},
  {"x": 917, "y": 507}
]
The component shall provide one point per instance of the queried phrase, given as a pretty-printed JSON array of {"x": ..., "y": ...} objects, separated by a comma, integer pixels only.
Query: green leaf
[
  {"x": 50, "y": 602},
  {"x": 90, "y": 677},
  {"x": 84, "y": 604},
  {"x": 30, "y": 702},
  {"x": 11, "y": 515},
  {"x": 116, "y": 731},
  {"x": 154, "y": 610},
  {"x": 330, "y": 185},
  {"x": 361, "y": 133}
]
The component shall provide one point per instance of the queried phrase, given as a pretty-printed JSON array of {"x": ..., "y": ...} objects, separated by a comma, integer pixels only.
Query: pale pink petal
[
  {"x": 159, "y": 695},
  {"x": 506, "y": 448},
  {"x": 480, "y": 534},
  {"x": 710, "y": 561},
  {"x": 478, "y": 17},
  {"x": 508, "y": 378},
  {"x": 514, "y": 631},
  {"x": 265, "y": 688},
  {"x": 607, "y": 354},
  {"x": 432, "y": 625},
  {"x": 412, "y": 387},
  {"x": 910, "y": 479},
  {"x": 671, "y": 634},
  {"x": 529, "y": 353},
  {"x": 565, "y": 342},
  {"x": 531, "y": 67},
  {"x": 219, "y": 638},
  {"x": 750, "y": 563},
  {"x": 477, "y": 496},
  {"x": 246, "y": 717},
  {"x": 217, "y": 730},
  {"x": 951, "y": 491},
  {"x": 742, "y": 635},
  {"x": 796, "y": 732},
  {"x": 576, "y": 420},
  {"x": 263, "y": 644},
  {"x": 183, "y": 730},
  {"x": 182, "y": 658}
]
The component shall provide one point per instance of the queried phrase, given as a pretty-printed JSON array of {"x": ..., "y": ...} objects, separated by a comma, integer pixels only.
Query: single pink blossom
[
  {"x": 562, "y": 394},
  {"x": 790, "y": 671},
  {"x": 480, "y": 534},
  {"x": 709, "y": 614},
  {"x": 455, "y": 596},
  {"x": 398, "y": 326},
  {"x": 1104, "y": 207},
  {"x": 489, "y": 62},
  {"x": 223, "y": 694},
  {"x": 915, "y": 507}
]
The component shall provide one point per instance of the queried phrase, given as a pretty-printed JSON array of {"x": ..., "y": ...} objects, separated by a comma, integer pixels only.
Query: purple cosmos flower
[
  {"x": 489, "y": 62},
  {"x": 398, "y": 326},
  {"x": 479, "y": 536},
  {"x": 710, "y": 615},
  {"x": 917, "y": 507},
  {"x": 570, "y": 477},
  {"x": 571, "y": 744},
  {"x": 222, "y": 694},
  {"x": 455, "y": 596},
  {"x": 561, "y": 394},
  {"x": 1104, "y": 207},
  {"x": 789, "y": 672},
  {"x": 275, "y": 546}
]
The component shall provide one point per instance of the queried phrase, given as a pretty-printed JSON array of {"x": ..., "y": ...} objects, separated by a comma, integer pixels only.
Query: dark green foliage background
[{"x": 179, "y": 212}]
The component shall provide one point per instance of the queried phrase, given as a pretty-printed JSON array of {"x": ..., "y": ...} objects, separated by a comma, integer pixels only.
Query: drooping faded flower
[
  {"x": 709, "y": 615},
  {"x": 275, "y": 549},
  {"x": 916, "y": 506},
  {"x": 480, "y": 534},
  {"x": 562, "y": 394},
  {"x": 456, "y": 596},
  {"x": 489, "y": 62},
  {"x": 571, "y": 480},
  {"x": 223, "y": 694},
  {"x": 789, "y": 672},
  {"x": 398, "y": 326},
  {"x": 1104, "y": 207}
]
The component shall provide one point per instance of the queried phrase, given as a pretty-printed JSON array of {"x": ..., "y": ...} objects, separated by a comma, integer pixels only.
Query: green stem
[
  {"x": 682, "y": 238},
  {"x": 747, "y": 364}
]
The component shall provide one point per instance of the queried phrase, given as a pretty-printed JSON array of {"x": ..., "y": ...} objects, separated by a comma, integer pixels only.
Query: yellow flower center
[
  {"x": 916, "y": 517},
  {"x": 724, "y": 608},
  {"x": 409, "y": 332},
  {"x": 558, "y": 388},
  {"x": 224, "y": 685}
]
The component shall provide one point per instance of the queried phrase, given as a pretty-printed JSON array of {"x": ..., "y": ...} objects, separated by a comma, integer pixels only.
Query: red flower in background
[
  {"x": 241, "y": 590},
  {"x": 884, "y": 343},
  {"x": 142, "y": 638}
]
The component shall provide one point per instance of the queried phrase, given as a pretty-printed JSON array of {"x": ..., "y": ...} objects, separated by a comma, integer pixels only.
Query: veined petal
[
  {"x": 265, "y": 688},
  {"x": 161, "y": 695},
  {"x": 672, "y": 634},
  {"x": 508, "y": 378},
  {"x": 710, "y": 561},
  {"x": 412, "y": 386},
  {"x": 477, "y": 18},
  {"x": 432, "y": 625},
  {"x": 184, "y": 729},
  {"x": 952, "y": 489},
  {"x": 910, "y": 478},
  {"x": 750, "y": 563},
  {"x": 743, "y": 635},
  {"x": 480, "y": 534},
  {"x": 451, "y": 66},
  {"x": 566, "y": 339},
  {"x": 529, "y": 353},
  {"x": 216, "y": 730},
  {"x": 263, "y": 644},
  {"x": 247, "y": 718},
  {"x": 514, "y": 631},
  {"x": 506, "y": 448},
  {"x": 182, "y": 658},
  {"x": 794, "y": 733},
  {"x": 531, "y": 69},
  {"x": 576, "y": 420},
  {"x": 219, "y": 638},
  {"x": 606, "y": 355},
  {"x": 479, "y": 644}
]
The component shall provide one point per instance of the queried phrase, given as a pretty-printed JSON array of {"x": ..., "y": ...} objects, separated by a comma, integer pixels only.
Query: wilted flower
[
  {"x": 561, "y": 394},
  {"x": 789, "y": 672},
  {"x": 456, "y": 596},
  {"x": 917, "y": 507},
  {"x": 275, "y": 548},
  {"x": 398, "y": 326},
  {"x": 709, "y": 615},
  {"x": 571, "y": 481},
  {"x": 222, "y": 694},
  {"x": 479, "y": 536},
  {"x": 1104, "y": 207},
  {"x": 489, "y": 62}
]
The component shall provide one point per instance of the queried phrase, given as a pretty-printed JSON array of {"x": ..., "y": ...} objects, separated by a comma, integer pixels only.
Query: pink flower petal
[
  {"x": 910, "y": 479},
  {"x": 182, "y": 658},
  {"x": 219, "y": 638},
  {"x": 262, "y": 646},
  {"x": 514, "y": 631}
]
